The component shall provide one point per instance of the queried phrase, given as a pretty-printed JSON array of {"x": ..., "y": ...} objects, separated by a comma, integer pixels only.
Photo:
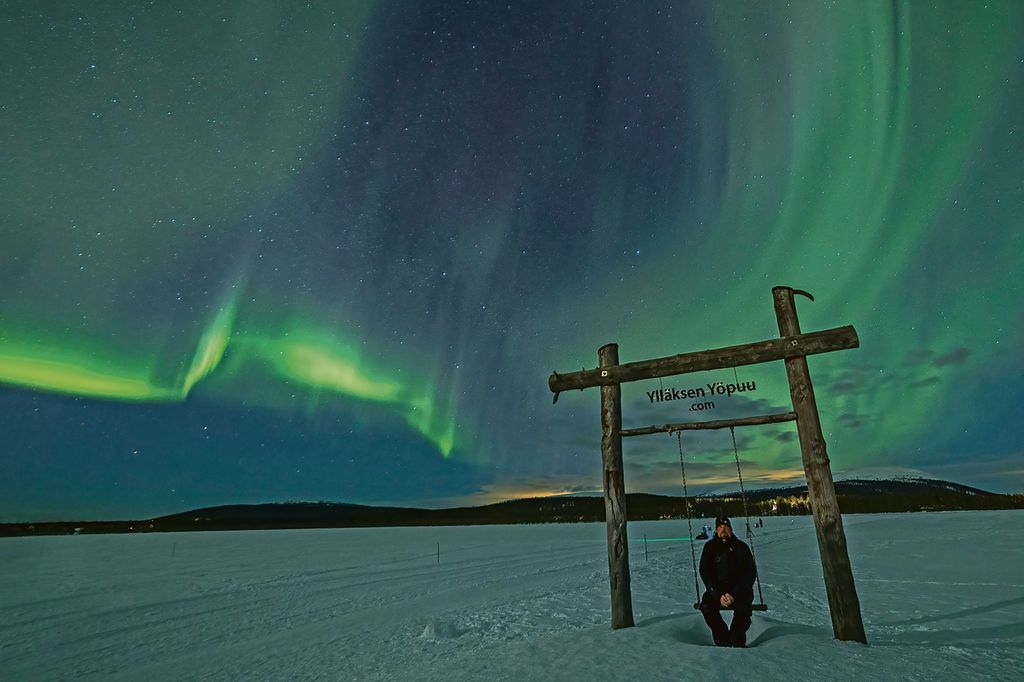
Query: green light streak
[
  {"x": 64, "y": 371},
  {"x": 313, "y": 360},
  {"x": 317, "y": 366},
  {"x": 211, "y": 348},
  {"x": 95, "y": 373},
  {"x": 322, "y": 363},
  {"x": 420, "y": 414}
]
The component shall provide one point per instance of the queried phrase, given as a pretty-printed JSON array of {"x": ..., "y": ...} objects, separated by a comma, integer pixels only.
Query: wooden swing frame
[{"x": 793, "y": 347}]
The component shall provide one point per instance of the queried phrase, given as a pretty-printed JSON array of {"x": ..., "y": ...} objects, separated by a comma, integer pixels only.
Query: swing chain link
[
  {"x": 746, "y": 513},
  {"x": 689, "y": 523}
]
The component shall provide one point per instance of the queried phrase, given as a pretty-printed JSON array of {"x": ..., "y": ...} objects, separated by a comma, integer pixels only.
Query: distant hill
[
  {"x": 860, "y": 496},
  {"x": 855, "y": 496}
]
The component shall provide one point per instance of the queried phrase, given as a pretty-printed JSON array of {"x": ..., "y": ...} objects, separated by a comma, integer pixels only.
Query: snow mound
[{"x": 440, "y": 630}]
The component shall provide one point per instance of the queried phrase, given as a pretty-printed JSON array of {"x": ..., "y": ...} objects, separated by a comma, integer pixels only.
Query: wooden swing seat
[{"x": 753, "y": 607}]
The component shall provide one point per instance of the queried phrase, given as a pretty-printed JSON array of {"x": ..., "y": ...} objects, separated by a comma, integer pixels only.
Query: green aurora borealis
[{"x": 333, "y": 252}]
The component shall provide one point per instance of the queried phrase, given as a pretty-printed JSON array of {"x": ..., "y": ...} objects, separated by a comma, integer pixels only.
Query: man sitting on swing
[{"x": 727, "y": 569}]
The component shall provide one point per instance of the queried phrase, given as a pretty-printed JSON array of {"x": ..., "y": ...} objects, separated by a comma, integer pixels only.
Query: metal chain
[
  {"x": 746, "y": 514},
  {"x": 689, "y": 523}
]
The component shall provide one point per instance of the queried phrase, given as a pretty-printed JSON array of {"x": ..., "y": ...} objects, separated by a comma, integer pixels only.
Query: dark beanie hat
[{"x": 722, "y": 521}]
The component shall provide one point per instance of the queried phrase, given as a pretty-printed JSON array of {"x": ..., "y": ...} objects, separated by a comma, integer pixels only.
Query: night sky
[{"x": 255, "y": 252}]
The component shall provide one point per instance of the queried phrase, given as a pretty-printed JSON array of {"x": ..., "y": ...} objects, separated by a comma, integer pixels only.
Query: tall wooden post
[
  {"x": 828, "y": 522},
  {"x": 615, "y": 493}
]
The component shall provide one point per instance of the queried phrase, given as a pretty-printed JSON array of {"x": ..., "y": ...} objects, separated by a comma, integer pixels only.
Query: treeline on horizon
[{"x": 855, "y": 497}]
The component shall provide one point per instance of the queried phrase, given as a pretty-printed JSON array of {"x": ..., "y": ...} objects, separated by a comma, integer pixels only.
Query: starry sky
[{"x": 256, "y": 252}]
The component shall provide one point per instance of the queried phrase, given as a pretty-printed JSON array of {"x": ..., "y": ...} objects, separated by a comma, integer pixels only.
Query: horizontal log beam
[
  {"x": 798, "y": 345},
  {"x": 717, "y": 424}
]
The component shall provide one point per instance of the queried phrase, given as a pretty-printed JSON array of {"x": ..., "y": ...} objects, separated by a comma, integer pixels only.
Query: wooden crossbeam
[
  {"x": 794, "y": 346},
  {"x": 716, "y": 424}
]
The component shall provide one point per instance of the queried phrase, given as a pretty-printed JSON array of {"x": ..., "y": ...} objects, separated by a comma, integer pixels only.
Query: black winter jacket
[{"x": 728, "y": 567}]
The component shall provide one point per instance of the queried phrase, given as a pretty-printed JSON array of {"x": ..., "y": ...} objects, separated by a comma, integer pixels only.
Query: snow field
[{"x": 942, "y": 596}]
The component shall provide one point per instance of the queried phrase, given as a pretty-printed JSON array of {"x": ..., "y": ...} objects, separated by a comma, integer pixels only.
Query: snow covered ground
[{"x": 942, "y": 596}]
